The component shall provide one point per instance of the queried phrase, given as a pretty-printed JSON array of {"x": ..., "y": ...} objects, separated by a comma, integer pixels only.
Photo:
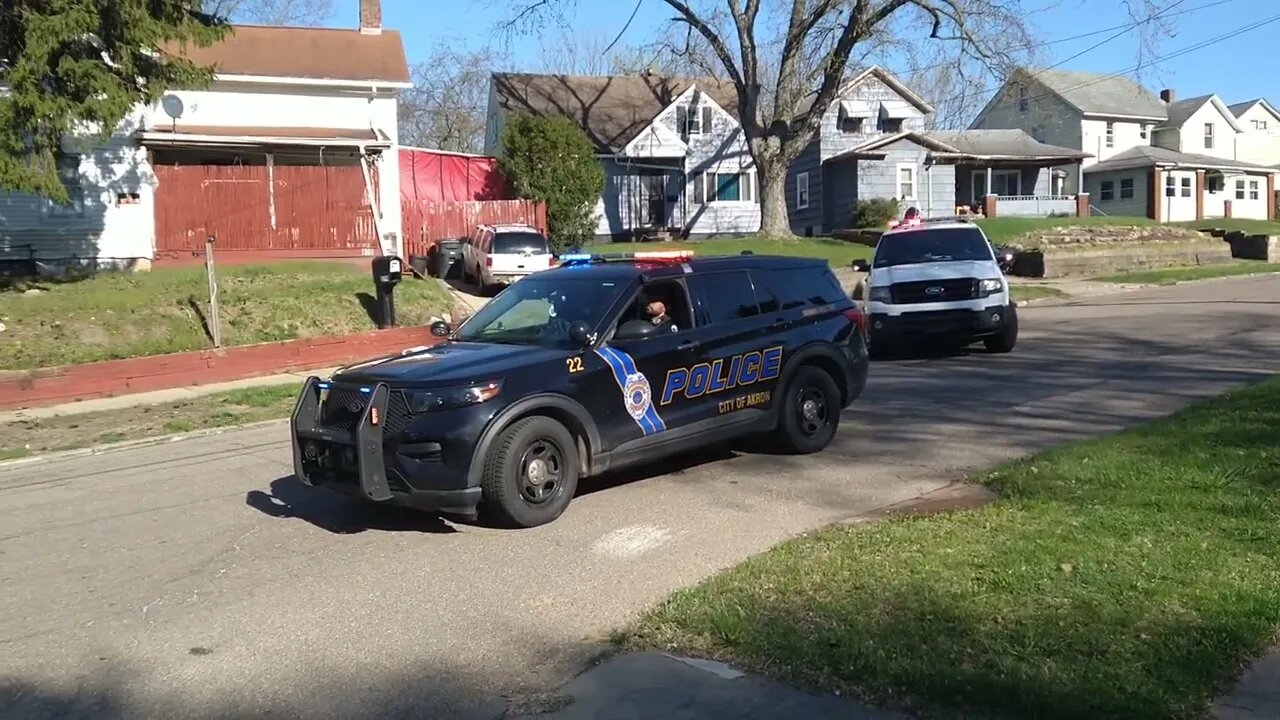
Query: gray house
[{"x": 675, "y": 159}]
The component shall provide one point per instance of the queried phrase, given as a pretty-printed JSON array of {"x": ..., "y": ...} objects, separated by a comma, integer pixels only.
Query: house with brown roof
[
  {"x": 675, "y": 158},
  {"x": 291, "y": 152}
]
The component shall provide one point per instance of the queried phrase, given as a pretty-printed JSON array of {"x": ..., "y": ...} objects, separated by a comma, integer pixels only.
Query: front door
[{"x": 653, "y": 199}]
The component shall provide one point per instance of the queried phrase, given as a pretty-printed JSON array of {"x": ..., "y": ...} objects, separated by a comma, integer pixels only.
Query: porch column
[
  {"x": 1271, "y": 197},
  {"x": 1082, "y": 204},
  {"x": 1155, "y": 203},
  {"x": 1226, "y": 208},
  {"x": 988, "y": 190},
  {"x": 1199, "y": 195},
  {"x": 928, "y": 179}
]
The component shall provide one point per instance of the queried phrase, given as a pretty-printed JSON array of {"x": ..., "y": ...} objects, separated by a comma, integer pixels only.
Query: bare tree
[
  {"x": 272, "y": 12},
  {"x": 447, "y": 105},
  {"x": 811, "y": 44}
]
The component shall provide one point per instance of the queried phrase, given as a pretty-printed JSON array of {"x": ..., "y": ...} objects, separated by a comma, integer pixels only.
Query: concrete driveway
[{"x": 199, "y": 579}]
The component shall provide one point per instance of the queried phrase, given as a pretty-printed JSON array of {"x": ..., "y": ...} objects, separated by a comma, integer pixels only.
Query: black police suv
[{"x": 600, "y": 363}]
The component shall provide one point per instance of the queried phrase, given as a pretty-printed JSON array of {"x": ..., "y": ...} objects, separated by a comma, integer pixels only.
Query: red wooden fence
[
  {"x": 426, "y": 223},
  {"x": 313, "y": 211}
]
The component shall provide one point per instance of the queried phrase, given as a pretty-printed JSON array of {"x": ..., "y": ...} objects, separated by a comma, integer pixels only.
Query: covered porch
[
  {"x": 1009, "y": 173},
  {"x": 644, "y": 196}
]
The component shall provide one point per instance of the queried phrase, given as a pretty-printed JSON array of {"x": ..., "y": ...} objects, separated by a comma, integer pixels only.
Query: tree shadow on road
[{"x": 338, "y": 514}]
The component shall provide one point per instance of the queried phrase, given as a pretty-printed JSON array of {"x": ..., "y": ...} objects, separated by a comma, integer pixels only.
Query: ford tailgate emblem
[{"x": 933, "y": 290}]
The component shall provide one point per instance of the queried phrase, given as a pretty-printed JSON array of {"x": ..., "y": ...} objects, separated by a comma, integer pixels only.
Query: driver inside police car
[{"x": 657, "y": 312}]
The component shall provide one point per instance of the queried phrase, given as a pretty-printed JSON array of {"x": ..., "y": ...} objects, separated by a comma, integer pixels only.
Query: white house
[
  {"x": 1259, "y": 139},
  {"x": 1153, "y": 157},
  {"x": 675, "y": 158},
  {"x": 291, "y": 152}
]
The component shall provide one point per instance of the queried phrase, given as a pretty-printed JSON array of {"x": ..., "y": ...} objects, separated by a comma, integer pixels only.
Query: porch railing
[{"x": 1035, "y": 205}]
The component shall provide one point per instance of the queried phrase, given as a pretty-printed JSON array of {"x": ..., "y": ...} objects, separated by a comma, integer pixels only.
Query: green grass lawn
[
  {"x": 120, "y": 315},
  {"x": 1035, "y": 292},
  {"x": 1126, "y": 577},
  {"x": 1002, "y": 230},
  {"x": 1169, "y": 276},
  {"x": 837, "y": 252},
  {"x": 68, "y": 432}
]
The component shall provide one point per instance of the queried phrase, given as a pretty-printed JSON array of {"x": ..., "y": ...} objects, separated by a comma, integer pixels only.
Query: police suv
[
  {"x": 568, "y": 373},
  {"x": 937, "y": 280}
]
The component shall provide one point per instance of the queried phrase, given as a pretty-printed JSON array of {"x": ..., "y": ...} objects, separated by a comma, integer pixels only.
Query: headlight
[
  {"x": 879, "y": 294},
  {"x": 990, "y": 286},
  {"x": 421, "y": 401}
]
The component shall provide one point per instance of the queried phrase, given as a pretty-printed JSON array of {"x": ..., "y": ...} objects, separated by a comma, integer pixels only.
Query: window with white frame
[
  {"x": 1111, "y": 134},
  {"x": 802, "y": 190},
  {"x": 712, "y": 187},
  {"x": 907, "y": 182},
  {"x": 1108, "y": 191},
  {"x": 69, "y": 176},
  {"x": 1185, "y": 184},
  {"x": 1126, "y": 188},
  {"x": 1208, "y": 136},
  {"x": 1144, "y": 131},
  {"x": 1006, "y": 183},
  {"x": 1215, "y": 183},
  {"x": 1240, "y": 189},
  {"x": 1170, "y": 186},
  {"x": 1023, "y": 103},
  {"x": 1253, "y": 189},
  {"x": 693, "y": 121}
]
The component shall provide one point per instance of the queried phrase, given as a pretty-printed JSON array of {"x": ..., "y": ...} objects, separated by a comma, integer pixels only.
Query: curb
[{"x": 136, "y": 443}]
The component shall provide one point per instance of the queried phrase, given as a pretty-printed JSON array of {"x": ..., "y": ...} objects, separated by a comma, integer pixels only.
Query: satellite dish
[{"x": 172, "y": 105}]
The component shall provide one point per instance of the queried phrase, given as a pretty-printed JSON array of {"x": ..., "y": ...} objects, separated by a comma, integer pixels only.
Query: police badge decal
[{"x": 637, "y": 395}]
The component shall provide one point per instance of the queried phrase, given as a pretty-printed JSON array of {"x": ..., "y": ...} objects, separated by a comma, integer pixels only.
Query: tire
[
  {"x": 803, "y": 427},
  {"x": 510, "y": 492},
  {"x": 1004, "y": 341}
]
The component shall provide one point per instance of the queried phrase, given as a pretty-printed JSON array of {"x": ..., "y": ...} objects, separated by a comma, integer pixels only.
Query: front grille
[
  {"x": 923, "y": 291},
  {"x": 397, "y": 414},
  {"x": 342, "y": 408}
]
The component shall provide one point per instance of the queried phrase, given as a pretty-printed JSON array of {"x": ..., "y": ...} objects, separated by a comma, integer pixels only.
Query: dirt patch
[{"x": 953, "y": 497}]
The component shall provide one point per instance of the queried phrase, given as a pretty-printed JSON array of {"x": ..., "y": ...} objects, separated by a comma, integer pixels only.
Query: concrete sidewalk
[{"x": 156, "y": 397}]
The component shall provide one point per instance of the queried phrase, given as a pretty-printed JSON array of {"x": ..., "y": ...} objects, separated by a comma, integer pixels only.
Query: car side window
[
  {"x": 802, "y": 286},
  {"x": 766, "y": 296},
  {"x": 728, "y": 296},
  {"x": 674, "y": 299}
]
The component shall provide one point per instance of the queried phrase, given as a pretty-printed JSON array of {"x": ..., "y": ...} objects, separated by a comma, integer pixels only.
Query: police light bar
[
  {"x": 663, "y": 255},
  {"x": 575, "y": 257},
  {"x": 913, "y": 222},
  {"x": 649, "y": 255}
]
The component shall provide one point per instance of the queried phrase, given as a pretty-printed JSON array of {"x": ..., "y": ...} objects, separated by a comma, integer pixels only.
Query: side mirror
[
  {"x": 860, "y": 266},
  {"x": 441, "y": 328},
  {"x": 580, "y": 333}
]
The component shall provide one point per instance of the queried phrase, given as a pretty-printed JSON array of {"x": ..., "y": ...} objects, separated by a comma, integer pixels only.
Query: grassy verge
[
  {"x": 1126, "y": 577},
  {"x": 119, "y": 315},
  {"x": 1006, "y": 229},
  {"x": 1035, "y": 292},
  {"x": 837, "y": 252},
  {"x": 1200, "y": 272},
  {"x": 69, "y": 432}
]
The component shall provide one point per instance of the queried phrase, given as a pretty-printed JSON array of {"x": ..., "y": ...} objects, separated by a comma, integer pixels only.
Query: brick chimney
[
  {"x": 1166, "y": 94},
  {"x": 371, "y": 17}
]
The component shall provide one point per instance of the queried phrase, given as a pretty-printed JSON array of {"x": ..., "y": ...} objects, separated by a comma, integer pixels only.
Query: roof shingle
[
  {"x": 611, "y": 109},
  {"x": 294, "y": 52},
  {"x": 1099, "y": 94},
  {"x": 1149, "y": 155}
]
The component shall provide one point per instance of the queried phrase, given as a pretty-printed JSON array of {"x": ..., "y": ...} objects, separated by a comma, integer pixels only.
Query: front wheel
[
  {"x": 810, "y": 411},
  {"x": 1003, "y": 341},
  {"x": 530, "y": 473}
]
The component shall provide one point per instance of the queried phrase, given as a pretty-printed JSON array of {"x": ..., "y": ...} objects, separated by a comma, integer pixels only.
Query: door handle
[
  {"x": 778, "y": 324},
  {"x": 689, "y": 345}
]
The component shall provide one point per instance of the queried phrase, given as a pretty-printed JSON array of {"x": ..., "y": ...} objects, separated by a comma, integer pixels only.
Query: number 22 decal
[{"x": 574, "y": 363}]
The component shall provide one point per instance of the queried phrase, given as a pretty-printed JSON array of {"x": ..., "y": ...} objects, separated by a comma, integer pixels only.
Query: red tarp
[{"x": 435, "y": 176}]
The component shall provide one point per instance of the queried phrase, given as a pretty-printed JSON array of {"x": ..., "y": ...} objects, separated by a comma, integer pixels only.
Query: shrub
[
  {"x": 552, "y": 160},
  {"x": 874, "y": 212}
]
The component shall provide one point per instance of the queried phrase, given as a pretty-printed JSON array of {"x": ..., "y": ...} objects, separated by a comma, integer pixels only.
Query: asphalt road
[{"x": 198, "y": 579}]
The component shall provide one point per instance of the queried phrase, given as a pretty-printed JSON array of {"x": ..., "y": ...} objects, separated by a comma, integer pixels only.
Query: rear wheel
[
  {"x": 1003, "y": 341},
  {"x": 530, "y": 473},
  {"x": 810, "y": 411}
]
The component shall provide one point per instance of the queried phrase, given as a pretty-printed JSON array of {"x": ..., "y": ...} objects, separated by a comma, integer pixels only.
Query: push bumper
[
  {"x": 961, "y": 322},
  {"x": 355, "y": 462}
]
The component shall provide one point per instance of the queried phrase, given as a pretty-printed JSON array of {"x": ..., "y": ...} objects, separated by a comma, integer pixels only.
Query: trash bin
[{"x": 448, "y": 253}]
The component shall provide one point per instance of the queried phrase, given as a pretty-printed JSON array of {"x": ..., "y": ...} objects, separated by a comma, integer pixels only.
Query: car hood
[
  {"x": 446, "y": 363},
  {"x": 934, "y": 271}
]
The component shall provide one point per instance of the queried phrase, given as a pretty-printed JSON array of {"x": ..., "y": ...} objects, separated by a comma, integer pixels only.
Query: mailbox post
[{"x": 386, "y": 275}]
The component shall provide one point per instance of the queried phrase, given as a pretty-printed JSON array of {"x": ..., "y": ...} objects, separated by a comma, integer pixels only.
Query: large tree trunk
[{"x": 771, "y": 171}]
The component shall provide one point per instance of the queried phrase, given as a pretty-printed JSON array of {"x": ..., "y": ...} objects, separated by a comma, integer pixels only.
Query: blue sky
[{"x": 1238, "y": 69}]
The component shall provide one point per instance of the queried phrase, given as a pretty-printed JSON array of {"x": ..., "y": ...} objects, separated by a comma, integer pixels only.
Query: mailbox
[
  {"x": 386, "y": 275},
  {"x": 387, "y": 270}
]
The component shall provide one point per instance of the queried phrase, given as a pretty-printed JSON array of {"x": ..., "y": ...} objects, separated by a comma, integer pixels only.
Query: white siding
[
  {"x": 1180, "y": 207},
  {"x": 1127, "y": 134},
  {"x": 1259, "y": 146},
  {"x": 1247, "y": 206},
  {"x": 723, "y": 149},
  {"x": 1192, "y": 134},
  {"x": 1118, "y": 206},
  {"x": 106, "y": 230}
]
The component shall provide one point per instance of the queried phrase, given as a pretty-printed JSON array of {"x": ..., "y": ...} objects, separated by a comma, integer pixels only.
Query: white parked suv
[
  {"x": 937, "y": 281},
  {"x": 495, "y": 254}
]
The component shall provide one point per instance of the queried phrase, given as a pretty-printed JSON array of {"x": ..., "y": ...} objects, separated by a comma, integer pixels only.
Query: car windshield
[
  {"x": 507, "y": 243},
  {"x": 931, "y": 245},
  {"x": 538, "y": 312}
]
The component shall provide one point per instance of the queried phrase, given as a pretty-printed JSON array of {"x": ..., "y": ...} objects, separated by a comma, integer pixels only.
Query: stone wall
[
  {"x": 1104, "y": 250},
  {"x": 1254, "y": 247}
]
